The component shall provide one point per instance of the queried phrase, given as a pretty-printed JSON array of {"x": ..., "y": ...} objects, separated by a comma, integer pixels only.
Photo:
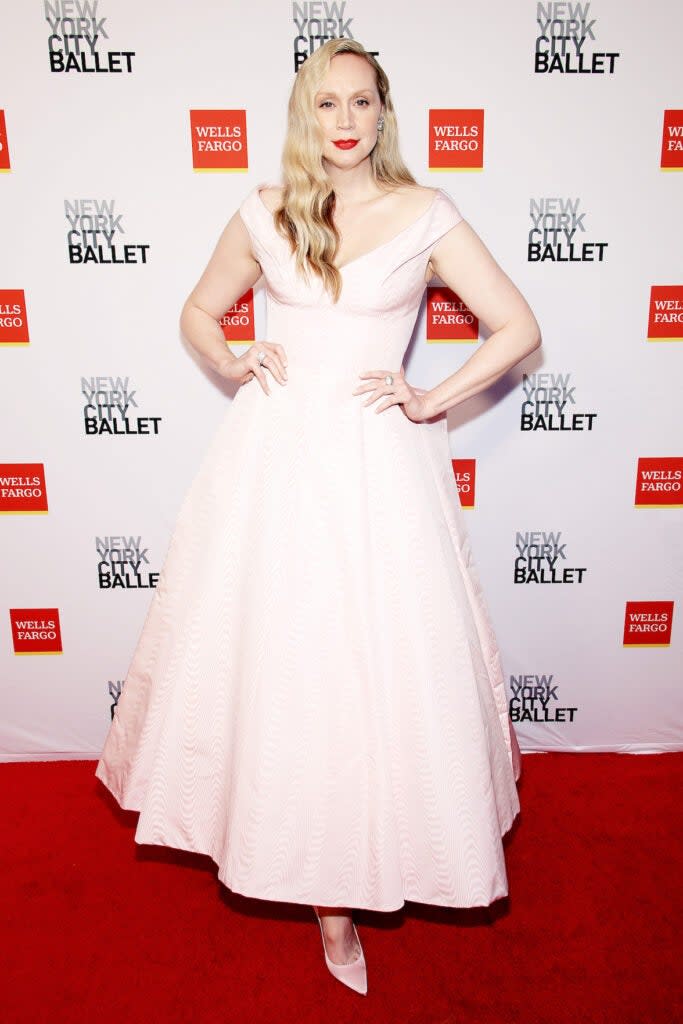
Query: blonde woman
[{"x": 316, "y": 700}]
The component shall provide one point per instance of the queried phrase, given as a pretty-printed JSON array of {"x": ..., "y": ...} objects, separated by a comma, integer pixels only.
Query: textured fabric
[{"x": 316, "y": 698}]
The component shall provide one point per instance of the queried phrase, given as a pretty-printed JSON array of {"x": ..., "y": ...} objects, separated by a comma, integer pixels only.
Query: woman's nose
[{"x": 345, "y": 119}]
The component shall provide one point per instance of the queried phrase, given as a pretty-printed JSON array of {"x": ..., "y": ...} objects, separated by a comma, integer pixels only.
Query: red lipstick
[{"x": 345, "y": 143}]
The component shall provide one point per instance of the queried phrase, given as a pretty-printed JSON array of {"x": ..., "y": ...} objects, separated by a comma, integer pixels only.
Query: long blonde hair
[{"x": 305, "y": 216}]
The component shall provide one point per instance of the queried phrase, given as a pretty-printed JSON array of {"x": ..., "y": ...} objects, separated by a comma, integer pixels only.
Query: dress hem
[{"x": 224, "y": 878}]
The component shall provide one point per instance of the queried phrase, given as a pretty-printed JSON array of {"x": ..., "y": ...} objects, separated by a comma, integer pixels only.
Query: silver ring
[
  {"x": 261, "y": 356},
  {"x": 388, "y": 379}
]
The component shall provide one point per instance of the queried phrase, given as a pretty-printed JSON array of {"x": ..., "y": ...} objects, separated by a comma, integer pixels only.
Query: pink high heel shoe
[{"x": 354, "y": 974}]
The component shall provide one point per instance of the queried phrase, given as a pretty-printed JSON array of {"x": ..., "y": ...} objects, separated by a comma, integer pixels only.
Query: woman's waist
[
  {"x": 319, "y": 369},
  {"x": 324, "y": 352},
  {"x": 312, "y": 329}
]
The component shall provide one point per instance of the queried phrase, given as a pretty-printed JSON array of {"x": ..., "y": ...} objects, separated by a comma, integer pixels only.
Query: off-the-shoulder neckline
[{"x": 357, "y": 259}]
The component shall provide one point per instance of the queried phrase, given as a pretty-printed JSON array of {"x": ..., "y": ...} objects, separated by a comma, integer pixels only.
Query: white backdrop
[{"x": 124, "y": 136}]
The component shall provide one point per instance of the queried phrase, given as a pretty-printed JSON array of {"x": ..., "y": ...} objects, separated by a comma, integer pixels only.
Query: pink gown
[{"x": 316, "y": 699}]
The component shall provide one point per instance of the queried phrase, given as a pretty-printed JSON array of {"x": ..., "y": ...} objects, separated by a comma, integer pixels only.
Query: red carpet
[{"x": 99, "y": 929}]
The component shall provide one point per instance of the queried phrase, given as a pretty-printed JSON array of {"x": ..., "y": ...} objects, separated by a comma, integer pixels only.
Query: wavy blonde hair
[{"x": 305, "y": 216}]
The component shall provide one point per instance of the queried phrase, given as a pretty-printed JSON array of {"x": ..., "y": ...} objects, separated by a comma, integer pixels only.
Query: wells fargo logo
[
  {"x": 648, "y": 623},
  {"x": 4, "y": 145},
  {"x": 36, "y": 630},
  {"x": 13, "y": 319},
  {"x": 22, "y": 487},
  {"x": 219, "y": 140},
  {"x": 465, "y": 472},
  {"x": 659, "y": 483},
  {"x": 448, "y": 318},
  {"x": 456, "y": 140},
  {"x": 238, "y": 321},
  {"x": 665, "y": 320},
  {"x": 672, "y": 141}
]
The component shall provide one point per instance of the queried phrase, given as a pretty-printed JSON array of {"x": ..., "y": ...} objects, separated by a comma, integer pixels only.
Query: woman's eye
[{"x": 361, "y": 100}]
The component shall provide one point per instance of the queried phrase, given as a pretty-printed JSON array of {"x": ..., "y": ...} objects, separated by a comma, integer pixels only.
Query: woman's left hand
[{"x": 411, "y": 400}]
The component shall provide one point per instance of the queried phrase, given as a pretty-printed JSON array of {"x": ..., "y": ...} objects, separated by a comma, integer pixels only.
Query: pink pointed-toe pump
[{"x": 354, "y": 974}]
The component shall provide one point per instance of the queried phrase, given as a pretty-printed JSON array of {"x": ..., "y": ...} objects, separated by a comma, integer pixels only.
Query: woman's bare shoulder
[
  {"x": 417, "y": 190},
  {"x": 414, "y": 199},
  {"x": 272, "y": 197}
]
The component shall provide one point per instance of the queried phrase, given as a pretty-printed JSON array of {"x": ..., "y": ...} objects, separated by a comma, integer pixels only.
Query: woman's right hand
[{"x": 245, "y": 367}]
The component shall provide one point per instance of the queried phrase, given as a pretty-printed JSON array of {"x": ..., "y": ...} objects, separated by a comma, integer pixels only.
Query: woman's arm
[
  {"x": 466, "y": 266},
  {"x": 231, "y": 270}
]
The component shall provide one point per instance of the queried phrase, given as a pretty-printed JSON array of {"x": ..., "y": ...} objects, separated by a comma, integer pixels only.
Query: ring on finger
[
  {"x": 389, "y": 379},
  {"x": 261, "y": 356}
]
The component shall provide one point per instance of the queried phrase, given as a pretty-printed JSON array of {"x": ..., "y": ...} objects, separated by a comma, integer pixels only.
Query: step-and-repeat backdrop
[{"x": 130, "y": 133}]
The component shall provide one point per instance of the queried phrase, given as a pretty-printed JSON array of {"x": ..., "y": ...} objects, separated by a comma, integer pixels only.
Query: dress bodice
[{"x": 381, "y": 294}]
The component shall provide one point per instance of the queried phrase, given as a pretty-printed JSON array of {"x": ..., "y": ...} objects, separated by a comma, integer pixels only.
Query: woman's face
[{"x": 348, "y": 106}]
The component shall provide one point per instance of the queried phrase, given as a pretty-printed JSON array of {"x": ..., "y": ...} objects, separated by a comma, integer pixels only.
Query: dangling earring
[{"x": 380, "y": 124}]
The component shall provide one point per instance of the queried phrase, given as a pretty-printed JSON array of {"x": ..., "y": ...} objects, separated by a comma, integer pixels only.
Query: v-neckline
[{"x": 377, "y": 248}]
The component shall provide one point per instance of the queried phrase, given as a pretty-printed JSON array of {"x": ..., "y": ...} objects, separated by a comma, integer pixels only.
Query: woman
[{"x": 316, "y": 700}]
